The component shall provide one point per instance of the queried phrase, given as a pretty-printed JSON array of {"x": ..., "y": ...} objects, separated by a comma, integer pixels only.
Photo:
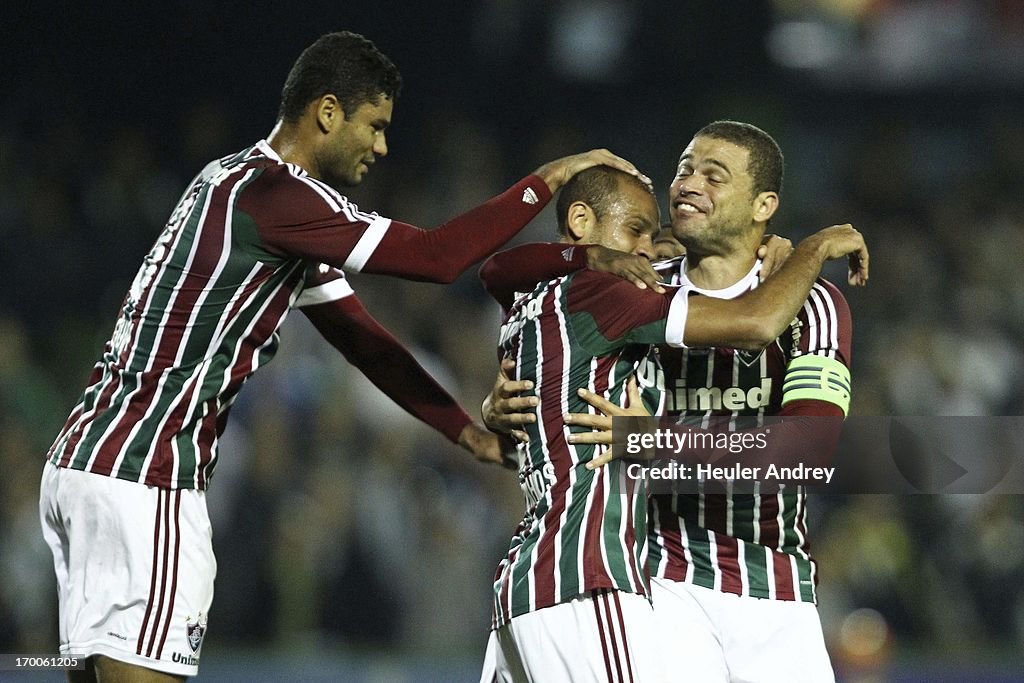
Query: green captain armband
[{"x": 817, "y": 378}]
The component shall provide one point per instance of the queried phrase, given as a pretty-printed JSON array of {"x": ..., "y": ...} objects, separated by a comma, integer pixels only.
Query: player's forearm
[
  {"x": 388, "y": 364},
  {"x": 410, "y": 386},
  {"x": 520, "y": 268},
  {"x": 442, "y": 254},
  {"x": 755, "y": 319}
]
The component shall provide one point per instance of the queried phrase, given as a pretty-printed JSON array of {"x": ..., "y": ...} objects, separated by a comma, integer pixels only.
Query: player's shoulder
[
  {"x": 823, "y": 288},
  {"x": 594, "y": 279},
  {"x": 826, "y": 308},
  {"x": 275, "y": 185},
  {"x": 607, "y": 289}
]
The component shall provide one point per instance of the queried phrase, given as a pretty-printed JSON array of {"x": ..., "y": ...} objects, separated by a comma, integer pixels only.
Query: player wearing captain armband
[
  {"x": 733, "y": 581},
  {"x": 571, "y": 596}
]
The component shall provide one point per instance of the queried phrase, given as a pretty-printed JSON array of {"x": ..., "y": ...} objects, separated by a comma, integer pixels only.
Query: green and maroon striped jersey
[
  {"x": 746, "y": 544},
  {"x": 251, "y": 238},
  {"x": 580, "y": 531}
]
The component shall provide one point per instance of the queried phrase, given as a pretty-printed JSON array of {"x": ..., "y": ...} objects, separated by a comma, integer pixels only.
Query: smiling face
[
  {"x": 353, "y": 142},
  {"x": 711, "y": 200}
]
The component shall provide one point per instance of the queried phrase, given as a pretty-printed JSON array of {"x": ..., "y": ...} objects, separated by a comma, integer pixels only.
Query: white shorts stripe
[{"x": 119, "y": 552}]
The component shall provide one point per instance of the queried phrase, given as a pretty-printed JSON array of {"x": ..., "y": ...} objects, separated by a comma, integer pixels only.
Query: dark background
[{"x": 354, "y": 539}]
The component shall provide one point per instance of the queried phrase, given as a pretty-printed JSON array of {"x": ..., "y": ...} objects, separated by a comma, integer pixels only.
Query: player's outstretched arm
[
  {"x": 558, "y": 172},
  {"x": 755, "y": 319},
  {"x": 442, "y": 254},
  {"x": 365, "y": 343},
  {"x": 520, "y": 268}
]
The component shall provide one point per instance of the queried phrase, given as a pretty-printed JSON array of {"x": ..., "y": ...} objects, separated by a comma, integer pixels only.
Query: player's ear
[
  {"x": 765, "y": 205},
  {"x": 328, "y": 112},
  {"x": 579, "y": 220}
]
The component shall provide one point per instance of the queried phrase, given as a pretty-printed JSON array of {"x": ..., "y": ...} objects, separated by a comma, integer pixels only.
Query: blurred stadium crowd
[{"x": 339, "y": 520}]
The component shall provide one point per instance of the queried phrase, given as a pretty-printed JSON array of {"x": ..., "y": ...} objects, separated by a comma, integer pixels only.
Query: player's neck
[
  {"x": 287, "y": 141},
  {"x": 724, "y": 263},
  {"x": 718, "y": 271}
]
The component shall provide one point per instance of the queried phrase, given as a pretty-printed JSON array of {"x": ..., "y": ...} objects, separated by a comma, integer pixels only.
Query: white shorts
[
  {"x": 716, "y": 637},
  {"x": 134, "y": 565},
  {"x": 606, "y": 636}
]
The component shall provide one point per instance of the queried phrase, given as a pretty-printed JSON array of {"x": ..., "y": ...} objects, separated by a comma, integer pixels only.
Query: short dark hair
[
  {"x": 596, "y": 187},
  {"x": 344, "y": 64},
  {"x": 765, "y": 164}
]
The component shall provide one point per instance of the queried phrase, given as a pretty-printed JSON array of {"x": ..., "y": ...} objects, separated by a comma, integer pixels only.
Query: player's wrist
[{"x": 813, "y": 248}]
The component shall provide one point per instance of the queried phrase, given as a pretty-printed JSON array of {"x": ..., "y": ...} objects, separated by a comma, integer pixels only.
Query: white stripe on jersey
[
  {"x": 340, "y": 204},
  {"x": 367, "y": 244},
  {"x": 563, "y": 394},
  {"x": 741, "y": 562},
  {"x": 833, "y": 317},
  {"x": 255, "y": 355},
  {"x": 675, "y": 323},
  {"x": 769, "y": 565},
  {"x": 713, "y": 557},
  {"x": 709, "y": 381},
  {"x": 684, "y": 540},
  {"x": 735, "y": 377},
  {"x": 563, "y": 402},
  {"x": 656, "y": 522},
  {"x": 779, "y": 518},
  {"x": 200, "y": 374},
  {"x": 321, "y": 294},
  {"x": 823, "y": 322},
  {"x": 800, "y": 522},
  {"x": 538, "y": 383},
  {"x": 763, "y": 363},
  {"x": 157, "y": 339},
  {"x": 756, "y": 518},
  {"x": 729, "y": 504}
]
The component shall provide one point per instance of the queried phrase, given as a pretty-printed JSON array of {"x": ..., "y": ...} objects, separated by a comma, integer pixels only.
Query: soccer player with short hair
[
  {"x": 256, "y": 235},
  {"x": 733, "y": 581},
  {"x": 571, "y": 598}
]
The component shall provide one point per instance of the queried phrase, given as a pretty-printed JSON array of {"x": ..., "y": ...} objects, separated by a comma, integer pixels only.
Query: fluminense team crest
[
  {"x": 748, "y": 358},
  {"x": 195, "y": 631}
]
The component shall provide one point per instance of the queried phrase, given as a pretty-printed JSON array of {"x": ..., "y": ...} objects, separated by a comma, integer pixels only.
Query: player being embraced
[
  {"x": 256, "y": 235},
  {"x": 572, "y": 598},
  {"x": 733, "y": 579}
]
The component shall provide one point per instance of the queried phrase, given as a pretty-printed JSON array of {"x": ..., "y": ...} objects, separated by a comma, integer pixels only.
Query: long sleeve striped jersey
[
  {"x": 582, "y": 529},
  {"x": 251, "y": 239}
]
